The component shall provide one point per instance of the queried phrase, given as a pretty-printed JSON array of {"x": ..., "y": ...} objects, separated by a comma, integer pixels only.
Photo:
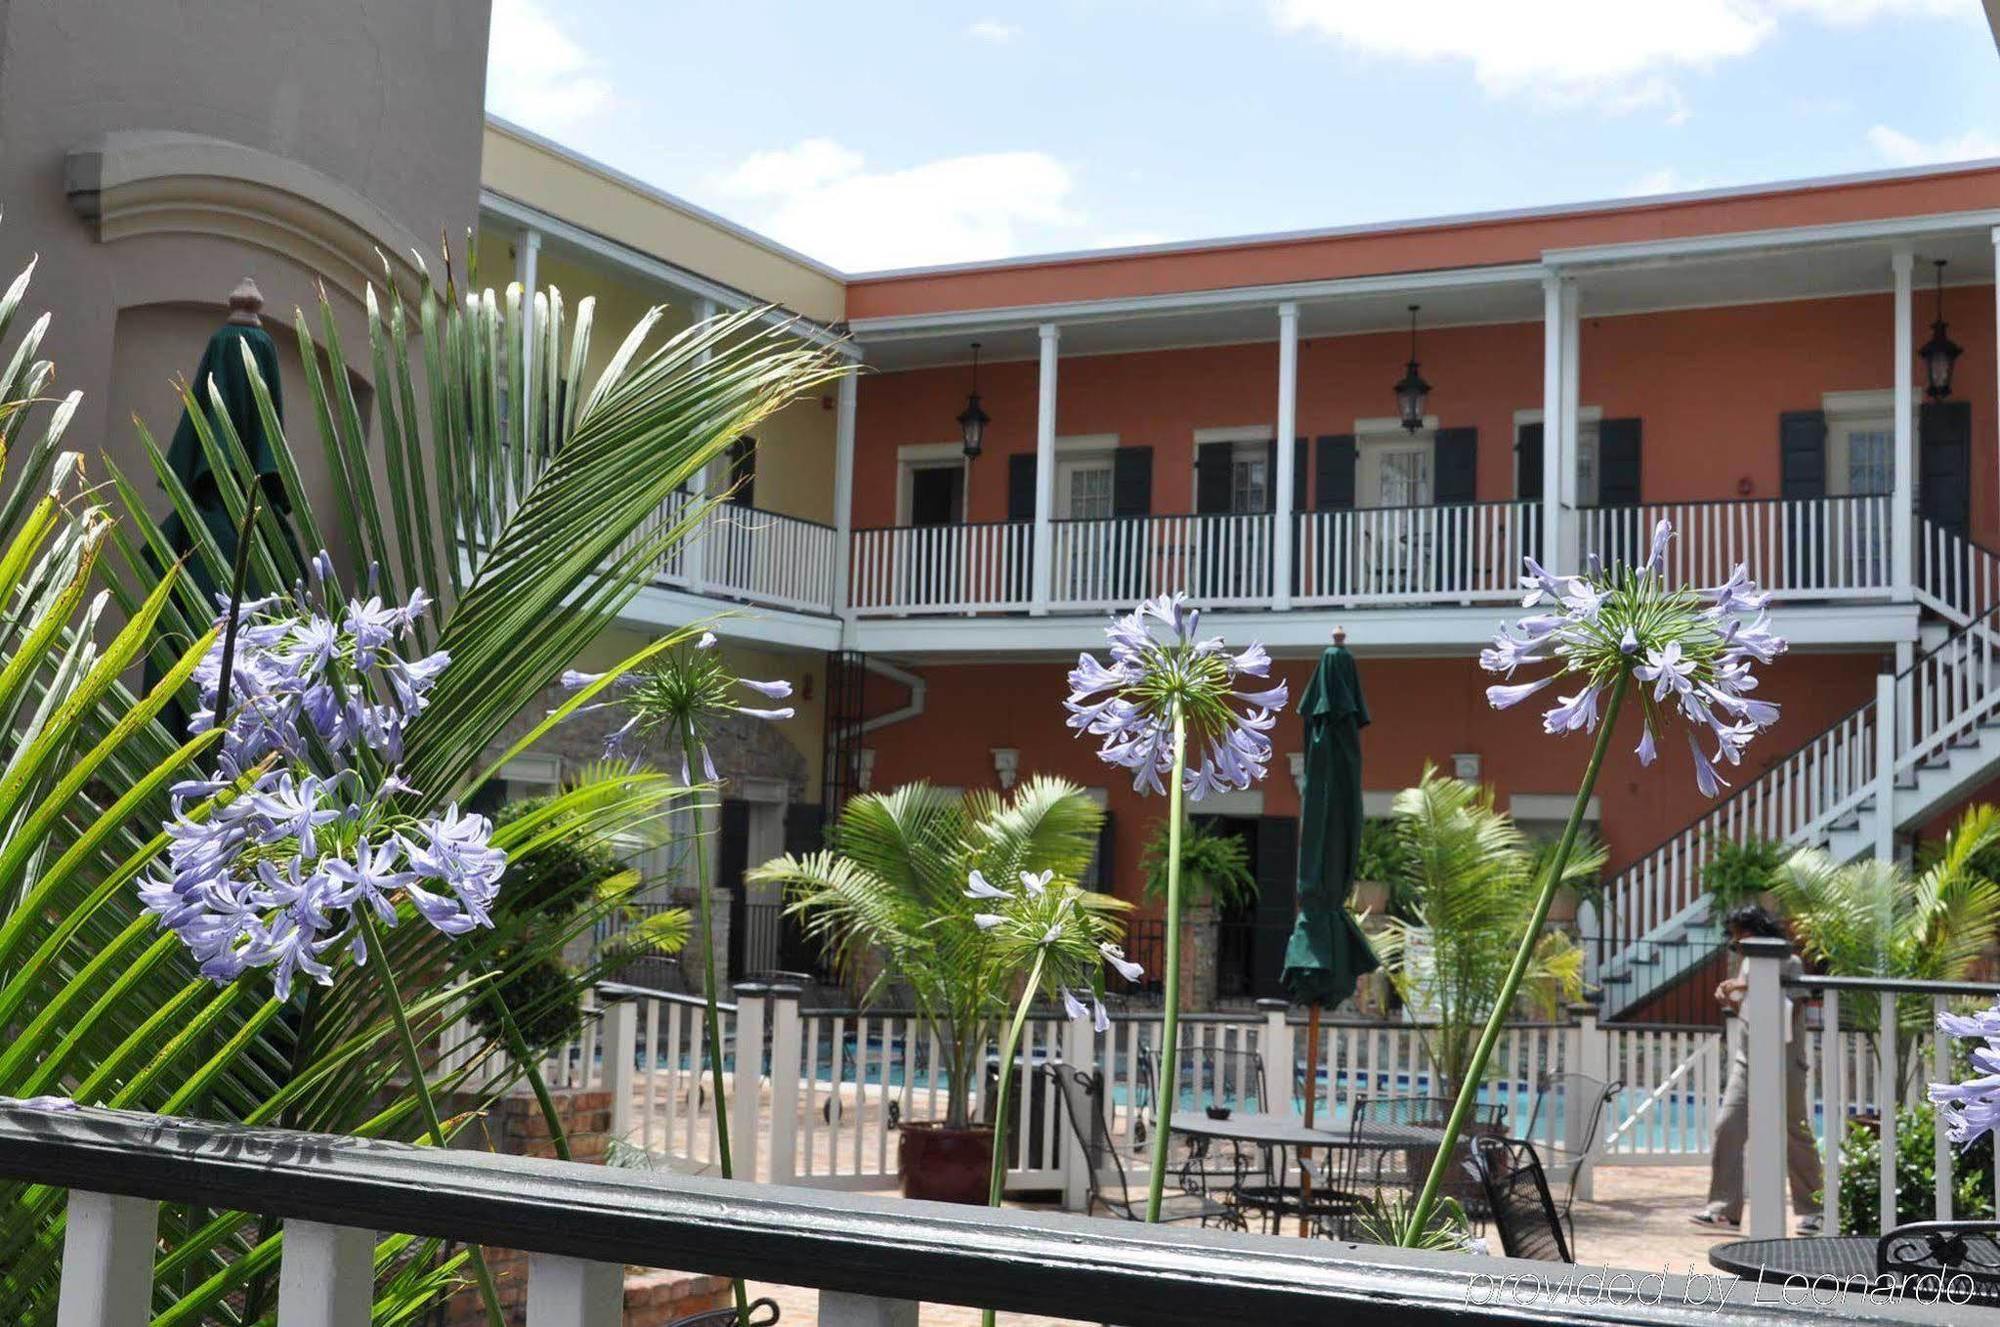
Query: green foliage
[
  {"x": 1916, "y": 1174},
  {"x": 1739, "y": 870},
  {"x": 1472, "y": 877},
  {"x": 896, "y": 887},
  {"x": 517, "y": 524},
  {"x": 1384, "y": 859},
  {"x": 1215, "y": 866},
  {"x": 1383, "y": 1219}
]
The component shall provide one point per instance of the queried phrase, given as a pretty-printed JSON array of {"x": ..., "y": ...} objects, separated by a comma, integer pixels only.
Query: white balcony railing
[
  {"x": 941, "y": 568},
  {"x": 1456, "y": 554},
  {"x": 1219, "y": 560},
  {"x": 1812, "y": 548},
  {"x": 760, "y": 557}
]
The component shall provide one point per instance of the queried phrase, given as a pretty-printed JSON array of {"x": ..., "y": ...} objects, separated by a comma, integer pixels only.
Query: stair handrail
[{"x": 1932, "y": 540}]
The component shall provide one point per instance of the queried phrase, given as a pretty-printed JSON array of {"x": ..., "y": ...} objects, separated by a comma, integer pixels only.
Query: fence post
[
  {"x": 1764, "y": 1032},
  {"x": 839, "y": 1309},
  {"x": 1592, "y": 1059},
  {"x": 326, "y": 1277},
  {"x": 621, "y": 1055},
  {"x": 1080, "y": 1052},
  {"x": 1281, "y": 1072},
  {"x": 107, "y": 1263},
  {"x": 746, "y": 1086},
  {"x": 1886, "y": 720},
  {"x": 568, "y": 1292},
  {"x": 785, "y": 1070}
]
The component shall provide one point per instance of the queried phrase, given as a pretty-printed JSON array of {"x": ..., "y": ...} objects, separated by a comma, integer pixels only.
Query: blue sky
[{"x": 874, "y": 135}]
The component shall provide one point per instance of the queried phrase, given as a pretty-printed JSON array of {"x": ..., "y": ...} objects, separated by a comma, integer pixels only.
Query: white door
[{"x": 1083, "y": 493}]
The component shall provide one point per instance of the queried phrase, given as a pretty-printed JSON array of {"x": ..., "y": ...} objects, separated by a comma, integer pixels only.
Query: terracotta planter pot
[
  {"x": 944, "y": 1165},
  {"x": 1369, "y": 897}
]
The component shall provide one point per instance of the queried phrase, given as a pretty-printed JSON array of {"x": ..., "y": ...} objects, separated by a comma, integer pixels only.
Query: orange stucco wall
[
  {"x": 1424, "y": 710},
  {"x": 1708, "y": 384},
  {"x": 1470, "y": 243}
]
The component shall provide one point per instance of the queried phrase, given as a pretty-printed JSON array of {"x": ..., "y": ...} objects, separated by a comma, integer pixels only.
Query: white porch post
[
  {"x": 1045, "y": 472},
  {"x": 843, "y": 495},
  {"x": 326, "y": 1277},
  {"x": 746, "y": 1086},
  {"x": 621, "y": 1056},
  {"x": 695, "y": 559},
  {"x": 527, "y": 253},
  {"x": 1572, "y": 368},
  {"x": 1554, "y": 306},
  {"x": 785, "y": 1069},
  {"x": 568, "y": 1292},
  {"x": 107, "y": 1263},
  {"x": 1904, "y": 494},
  {"x": 1764, "y": 1028},
  {"x": 1288, "y": 412},
  {"x": 1888, "y": 717}
]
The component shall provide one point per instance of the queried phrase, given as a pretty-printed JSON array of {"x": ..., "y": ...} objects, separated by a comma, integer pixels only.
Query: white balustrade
[
  {"x": 1956, "y": 577},
  {"x": 1217, "y": 559},
  {"x": 941, "y": 568},
  {"x": 1809, "y": 548},
  {"x": 1394, "y": 555}
]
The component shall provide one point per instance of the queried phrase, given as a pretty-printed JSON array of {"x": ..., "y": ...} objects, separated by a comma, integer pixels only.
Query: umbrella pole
[{"x": 1312, "y": 1096}]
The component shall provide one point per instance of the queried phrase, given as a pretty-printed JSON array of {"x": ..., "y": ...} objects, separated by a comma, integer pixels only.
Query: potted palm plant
[
  {"x": 1215, "y": 874},
  {"x": 893, "y": 895}
]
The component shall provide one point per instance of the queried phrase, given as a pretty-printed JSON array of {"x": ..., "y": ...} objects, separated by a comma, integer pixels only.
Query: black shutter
[
  {"x": 805, "y": 831},
  {"x": 1271, "y": 475},
  {"x": 742, "y": 467},
  {"x": 1132, "y": 481},
  {"x": 1277, "y": 871},
  {"x": 1618, "y": 463},
  {"x": 1021, "y": 486},
  {"x": 1528, "y": 463},
  {"x": 805, "y": 827},
  {"x": 1457, "y": 467},
  {"x": 1333, "y": 471},
  {"x": 1301, "y": 473},
  {"x": 1211, "y": 477},
  {"x": 1102, "y": 878},
  {"x": 1802, "y": 454},
  {"x": 732, "y": 858},
  {"x": 1944, "y": 464}
]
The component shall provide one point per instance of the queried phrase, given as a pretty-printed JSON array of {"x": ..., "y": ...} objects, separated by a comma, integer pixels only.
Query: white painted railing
[
  {"x": 1451, "y": 554},
  {"x": 1807, "y": 548},
  {"x": 1218, "y": 560},
  {"x": 906, "y": 569},
  {"x": 768, "y": 558}
]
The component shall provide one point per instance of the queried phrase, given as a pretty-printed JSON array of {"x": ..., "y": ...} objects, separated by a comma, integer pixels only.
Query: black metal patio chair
[
  {"x": 763, "y": 1313},
  {"x": 1946, "y": 1250},
  {"x": 1518, "y": 1201},
  {"x": 1570, "y": 1092},
  {"x": 1082, "y": 1095},
  {"x": 1207, "y": 1076}
]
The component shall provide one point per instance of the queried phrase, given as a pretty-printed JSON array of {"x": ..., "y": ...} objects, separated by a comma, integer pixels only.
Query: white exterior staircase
[{"x": 1848, "y": 789}]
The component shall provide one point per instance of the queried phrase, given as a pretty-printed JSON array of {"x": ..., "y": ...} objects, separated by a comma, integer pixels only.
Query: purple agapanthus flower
[
  {"x": 267, "y": 866},
  {"x": 1048, "y": 923},
  {"x": 1130, "y": 702},
  {"x": 1971, "y": 1110},
  {"x": 1689, "y": 651},
  {"x": 678, "y": 696}
]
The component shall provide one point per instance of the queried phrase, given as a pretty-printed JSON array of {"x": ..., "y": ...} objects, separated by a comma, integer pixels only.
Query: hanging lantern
[
  {"x": 1940, "y": 352},
  {"x": 972, "y": 420},
  {"x": 1412, "y": 393}
]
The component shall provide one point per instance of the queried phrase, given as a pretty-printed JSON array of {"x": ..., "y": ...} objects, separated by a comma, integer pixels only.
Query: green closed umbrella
[{"x": 1327, "y": 954}]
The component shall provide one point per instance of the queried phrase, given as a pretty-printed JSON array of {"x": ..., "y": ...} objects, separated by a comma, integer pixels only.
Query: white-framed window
[
  {"x": 1393, "y": 466},
  {"x": 1860, "y": 442},
  {"x": 1083, "y": 487},
  {"x": 1250, "y": 477},
  {"x": 925, "y": 486},
  {"x": 1587, "y": 469}
]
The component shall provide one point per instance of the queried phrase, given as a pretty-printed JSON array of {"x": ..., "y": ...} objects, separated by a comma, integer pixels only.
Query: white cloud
[
  {"x": 536, "y": 75},
  {"x": 1616, "y": 53},
  {"x": 1665, "y": 180},
  {"x": 820, "y": 197},
  {"x": 993, "y": 30},
  {"x": 1899, "y": 149}
]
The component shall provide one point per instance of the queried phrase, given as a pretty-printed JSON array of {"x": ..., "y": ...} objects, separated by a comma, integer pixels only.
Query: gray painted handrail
[{"x": 1019, "y": 1261}]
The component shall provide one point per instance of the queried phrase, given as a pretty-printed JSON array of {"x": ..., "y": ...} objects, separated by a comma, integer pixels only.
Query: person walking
[{"x": 1732, "y": 1128}]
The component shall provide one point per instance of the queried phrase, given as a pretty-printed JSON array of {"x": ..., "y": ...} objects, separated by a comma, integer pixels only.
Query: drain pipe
[{"x": 902, "y": 676}]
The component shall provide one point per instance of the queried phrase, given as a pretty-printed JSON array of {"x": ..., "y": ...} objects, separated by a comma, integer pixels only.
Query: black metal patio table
[{"x": 1836, "y": 1257}]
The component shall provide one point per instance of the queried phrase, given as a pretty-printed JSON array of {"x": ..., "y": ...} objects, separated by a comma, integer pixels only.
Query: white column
[
  {"x": 568, "y": 1292},
  {"x": 1572, "y": 368},
  {"x": 695, "y": 559},
  {"x": 621, "y": 1056},
  {"x": 107, "y": 1265},
  {"x": 747, "y": 1084},
  {"x": 1764, "y": 1027},
  {"x": 326, "y": 1276},
  {"x": 1280, "y": 1060},
  {"x": 1901, "y": 524},
  {"x": 1553, "y": 448},
  {"x": 527, "y": 253},
  {"x": 785, "y": 1070},
  {"x": 1887, "y": 718},
  {"x": 839, "y": 1309},
  {"x": 1045, "y": 472},
  {"x": 1288, "y": 418},
  {"x": 1079, "y": 1051},
  {"x": 843, "y": 494},
  {"x": 1593, "y": 1060}
]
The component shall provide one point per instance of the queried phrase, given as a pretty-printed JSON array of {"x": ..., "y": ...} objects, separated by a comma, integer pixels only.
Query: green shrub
[
  {"x": 1739, "y": 870},
  {"x": 1215, "y": 867},
  {"x": 1916, "y": 1154}
]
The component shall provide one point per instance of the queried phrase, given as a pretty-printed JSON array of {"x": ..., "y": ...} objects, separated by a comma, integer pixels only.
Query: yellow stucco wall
[{"x": 599, "y": 201}]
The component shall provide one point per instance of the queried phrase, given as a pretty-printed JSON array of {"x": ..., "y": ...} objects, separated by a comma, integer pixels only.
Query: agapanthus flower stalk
[
  {"x": 1153, "y": 698},
  {"x": 1063, "y": 935},
  {"x": 1609, "y": 634}
]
